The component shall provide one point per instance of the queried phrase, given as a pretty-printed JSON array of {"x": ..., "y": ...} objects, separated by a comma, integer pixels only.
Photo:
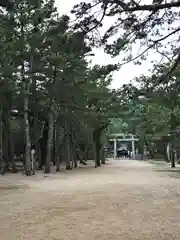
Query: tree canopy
[
  {"x": 49, "y": 92},
  {"x": 54, "y": 102},
  {"x": 151, "y": 24}
]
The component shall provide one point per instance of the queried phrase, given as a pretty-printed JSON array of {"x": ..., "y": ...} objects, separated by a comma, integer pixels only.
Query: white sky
[{"x": 128, "y": 71}]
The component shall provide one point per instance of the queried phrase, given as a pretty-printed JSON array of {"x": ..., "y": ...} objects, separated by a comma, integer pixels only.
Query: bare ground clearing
[{"x": 122, "y": 200}]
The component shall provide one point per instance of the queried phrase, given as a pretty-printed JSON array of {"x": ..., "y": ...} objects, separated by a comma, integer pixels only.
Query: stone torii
[{"x": 121, "y": 137}]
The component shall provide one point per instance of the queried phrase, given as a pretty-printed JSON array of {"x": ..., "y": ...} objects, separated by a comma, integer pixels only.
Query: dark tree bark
[
  {"x": 57, "y": 163},
  {"x": 57, "y": 148},
  {"x": 151, "y": 151},
  {"x": 67, "y": 146},
  {"x": 49, "y": 143},
  {"x": 172, "y": 135},
  {"x": 5, "y": 139},
  {"x": 78, "y": 151},
  {"x": 172, "y": 156},
  {"x": 68, "y": 155},
  {"x": 43, "y": 146},
  {"x": 73, "y": 151},
  {"x": 28, "y": 170},
  {"x": 86, "y": 150},
  {"x": 165, "y": 151},
  {"x": 103, "y": 157},
  {"x": 11, "y": 152},
  {"x": 97, "y": 143},
  {"x": 7, "y": 144}
]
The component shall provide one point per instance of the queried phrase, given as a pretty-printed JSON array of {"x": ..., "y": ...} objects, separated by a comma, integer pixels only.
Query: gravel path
[{"x": 124, "y": 200}]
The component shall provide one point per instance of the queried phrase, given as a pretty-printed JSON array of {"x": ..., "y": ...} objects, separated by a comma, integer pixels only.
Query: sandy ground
[{"x": 122, "y": 200}]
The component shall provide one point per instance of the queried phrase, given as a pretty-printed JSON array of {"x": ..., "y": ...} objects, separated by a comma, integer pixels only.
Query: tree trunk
[
  {"x": 73, "y": 151},
  {"x": 74, "y": 156},
  {"x": 49, "y": 143},
  {"x": 11, "y": 152},
  {"x": 38, "y": 154},
  {"x": 103, "y": 157},
  {"x": 165, "y": 154},
  {"x": 151, "y": 151},
  {"x": 67, "y": 147},
  {"x": 56, "y": 148},
  {"x": 68, "y": 155},
  {"x": 142, "y": 155},
  {"x": 7, "y": 134},
  {"x": 26, "y": 92},
  {"x": 33, "y": 161},
  {"x": 86, "y": 150},
  {"x": 28, "y": 169},
  {"x": 172, "y": 136},
  {"x": 78, "y": 155},
  {"x": 54, "y": 145},
  {"x": 57, "y": 163},
  {"x": 6, "y": 145},
  {"x": 97, "y": 142},
  {"x": 5, "y": 137},
  {"x": 172, "y": 156},
  {"x": 43, "y": 145},
  {"x": 78, "y": 151},
  {"x": 1, "y": 144},
  {"x": 142, "y": 145}
]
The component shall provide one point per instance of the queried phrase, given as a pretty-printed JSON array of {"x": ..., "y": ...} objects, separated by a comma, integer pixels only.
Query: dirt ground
[{"x": 123, "y": 200}]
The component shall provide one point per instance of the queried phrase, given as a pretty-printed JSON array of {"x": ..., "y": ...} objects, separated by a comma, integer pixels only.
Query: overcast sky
[{"x": 128, "y": 71}]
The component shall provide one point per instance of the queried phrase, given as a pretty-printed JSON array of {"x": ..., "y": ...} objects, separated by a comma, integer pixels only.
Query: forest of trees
[{"x": 51, "y": 98}]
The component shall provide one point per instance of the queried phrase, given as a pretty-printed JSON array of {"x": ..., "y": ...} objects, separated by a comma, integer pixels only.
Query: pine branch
[
  {"x": 99, "y": 22},
  {"x": 172, "y": 69},
  {"x": 148, "y": 7},
  {"x": 152, "y": 45}
]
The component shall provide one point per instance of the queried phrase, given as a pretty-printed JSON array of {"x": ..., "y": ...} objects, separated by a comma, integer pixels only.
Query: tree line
[
  {"x": 149, "y": 105},
  {"x": 154, "y": 116},
  {"x": 53, "y": 101}
]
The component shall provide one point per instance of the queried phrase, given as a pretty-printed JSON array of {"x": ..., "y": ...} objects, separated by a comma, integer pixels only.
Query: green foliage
[
  {"x": 151, "y": 110},
  {"x": 45, "y": 76}
]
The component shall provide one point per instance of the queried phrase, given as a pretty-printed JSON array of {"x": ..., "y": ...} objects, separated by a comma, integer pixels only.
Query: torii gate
[{"x": 121, "y": 137}]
